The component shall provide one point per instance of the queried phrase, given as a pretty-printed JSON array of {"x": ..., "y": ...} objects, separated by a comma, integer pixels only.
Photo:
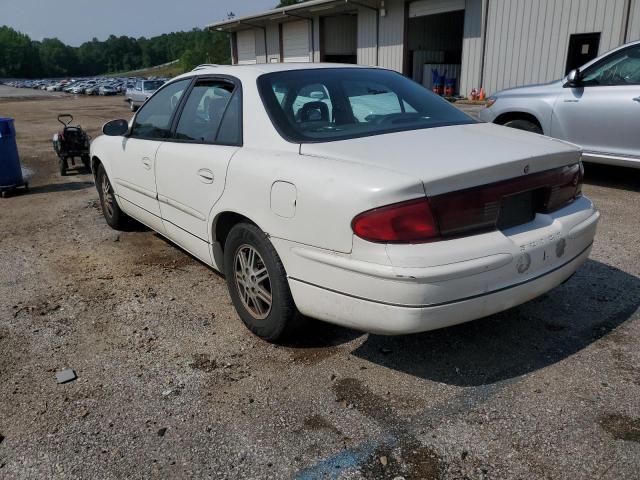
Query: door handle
[
  {"x": 206, "y": 175},
  {"x": 637, "y": 99},
  {"x": 146, "y": 163}
]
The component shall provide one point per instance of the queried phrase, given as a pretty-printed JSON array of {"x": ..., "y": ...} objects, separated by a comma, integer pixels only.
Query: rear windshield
[
  {"x": 153, "y": 84},
  {"x": 321, "y": 105}
]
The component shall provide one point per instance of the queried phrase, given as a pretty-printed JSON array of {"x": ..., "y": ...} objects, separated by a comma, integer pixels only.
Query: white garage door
[
  {"x": 295, "y": 41},
  {"x": 246, "y": 46},
  {"x": 431, "y": 7}
]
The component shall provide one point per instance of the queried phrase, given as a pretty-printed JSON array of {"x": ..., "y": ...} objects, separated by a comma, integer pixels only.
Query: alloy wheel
[
  {"x": 252, "y": 281},
  {"x": 107, "y": 196}
]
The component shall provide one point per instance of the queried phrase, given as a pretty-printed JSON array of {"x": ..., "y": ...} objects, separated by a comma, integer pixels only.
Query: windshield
[
  {"x": 321, "y": 105},
  {"x": 153, "y": 84}
]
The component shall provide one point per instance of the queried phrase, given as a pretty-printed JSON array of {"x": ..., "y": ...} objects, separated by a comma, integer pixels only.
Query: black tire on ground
[
  {"x": 521, "y": 124},
  {"x": 133, "y": 107},
  {"x": 115, "y": 217},
  {"x": 62, "y": 166},
  {"x": 86, "y": 162},
  {"x": 281, "y": 318}
]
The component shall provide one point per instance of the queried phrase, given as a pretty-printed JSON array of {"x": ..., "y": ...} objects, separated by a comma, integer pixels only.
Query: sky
[{"x": 75, "y": 22}]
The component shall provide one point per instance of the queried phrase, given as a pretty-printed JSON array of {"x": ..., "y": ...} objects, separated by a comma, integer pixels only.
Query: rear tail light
[
  {"x": 472, "y": 210},
  {"x": 566, "y": 189},
  {"x": 406, "y": 222}
]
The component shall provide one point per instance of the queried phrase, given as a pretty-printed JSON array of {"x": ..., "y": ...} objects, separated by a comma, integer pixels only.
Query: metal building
[{"x": 493, "y": 44}]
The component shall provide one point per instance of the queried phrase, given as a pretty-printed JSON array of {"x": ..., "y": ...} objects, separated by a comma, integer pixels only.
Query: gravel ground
[{"x": 171, "y": 385}]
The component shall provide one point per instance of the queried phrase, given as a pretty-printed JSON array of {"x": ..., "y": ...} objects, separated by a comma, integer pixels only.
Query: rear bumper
[
  {"x": 416, "y": 289},
  {"x": 388, "y": 319}
]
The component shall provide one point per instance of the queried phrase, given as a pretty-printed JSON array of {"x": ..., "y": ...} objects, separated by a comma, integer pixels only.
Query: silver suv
[
  {"x": 596, "y": 107},
  {"x": 141, "y": 91}
]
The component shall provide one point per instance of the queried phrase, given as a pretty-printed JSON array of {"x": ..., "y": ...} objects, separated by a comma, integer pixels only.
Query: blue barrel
[{"x": 10, "y": 169}]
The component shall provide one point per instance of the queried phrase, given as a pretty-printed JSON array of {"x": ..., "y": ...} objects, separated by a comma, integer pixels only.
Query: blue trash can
[{"x": 10, "y": 169}]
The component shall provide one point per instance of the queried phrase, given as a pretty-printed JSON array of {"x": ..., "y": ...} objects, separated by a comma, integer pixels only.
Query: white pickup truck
[{"x": 142, "y": 90}]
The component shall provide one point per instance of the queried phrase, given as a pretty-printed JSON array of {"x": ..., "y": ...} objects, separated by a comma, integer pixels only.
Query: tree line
[{"x": 21, "y": 57}]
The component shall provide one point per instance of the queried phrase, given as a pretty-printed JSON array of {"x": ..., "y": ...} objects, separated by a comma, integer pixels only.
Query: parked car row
[{"x": 86, "y": 86}]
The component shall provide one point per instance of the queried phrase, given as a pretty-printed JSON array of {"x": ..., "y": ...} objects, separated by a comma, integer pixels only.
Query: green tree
[
  {"x": 286, "y": 3},
  {"x": 20, "y": 57}
]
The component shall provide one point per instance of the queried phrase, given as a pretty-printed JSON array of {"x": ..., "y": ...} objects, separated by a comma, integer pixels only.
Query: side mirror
[
  {"x": 116, "y": 128},
  {"x": 574, "y": 78}
]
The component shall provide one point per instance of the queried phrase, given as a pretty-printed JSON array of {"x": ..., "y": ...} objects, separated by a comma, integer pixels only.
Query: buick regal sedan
[{"x": 347, "y": 194}]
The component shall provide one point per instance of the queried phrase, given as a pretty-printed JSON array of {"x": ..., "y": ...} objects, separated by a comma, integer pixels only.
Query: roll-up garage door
[
  {"x": 431, "y": 7},
  {"x": 295, "y": 41},
  {"x": 340, "y": 35},
  {"x": 246, "y": 46}
]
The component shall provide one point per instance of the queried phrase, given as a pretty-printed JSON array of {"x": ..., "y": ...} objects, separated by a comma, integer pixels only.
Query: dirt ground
[{"x": 171, "y": 385}]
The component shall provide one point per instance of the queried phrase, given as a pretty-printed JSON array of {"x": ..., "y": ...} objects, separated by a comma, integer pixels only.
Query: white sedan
[{"x": 346, "y": 194}]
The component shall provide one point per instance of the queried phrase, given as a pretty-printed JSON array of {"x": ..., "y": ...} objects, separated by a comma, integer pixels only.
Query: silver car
[
  {"x": 596, "y": 107},
  {"x": 142, "y": 90}
]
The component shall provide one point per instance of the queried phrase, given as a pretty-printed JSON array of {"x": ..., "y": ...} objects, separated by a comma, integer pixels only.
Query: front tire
[
  {"x": 258, "y": 284},
  {"x": 116, "y": 218},
  {"x": 526, "y": 125}
]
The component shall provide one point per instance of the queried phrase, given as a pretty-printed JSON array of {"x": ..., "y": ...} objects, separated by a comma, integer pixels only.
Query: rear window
[
  {"x": 153, "y": 84},
  {"x": 321, "y": 105}
]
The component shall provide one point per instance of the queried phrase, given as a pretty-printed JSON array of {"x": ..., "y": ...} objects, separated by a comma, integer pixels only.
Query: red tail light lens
[
  {"x": 498, "y": 205},
  {"x": 406, "y": 222},
  {"x": 567, "y": 187}
]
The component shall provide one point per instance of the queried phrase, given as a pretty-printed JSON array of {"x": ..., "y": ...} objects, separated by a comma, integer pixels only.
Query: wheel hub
[
  {"x": 253, "y": 282},
  {"x": 107, "y": 196}
]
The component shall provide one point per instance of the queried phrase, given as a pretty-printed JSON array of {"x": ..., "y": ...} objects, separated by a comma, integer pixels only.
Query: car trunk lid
[{"x": 453, "y": 158}]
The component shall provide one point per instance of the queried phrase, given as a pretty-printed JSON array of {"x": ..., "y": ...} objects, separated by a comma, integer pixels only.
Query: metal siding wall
[
  {"x": 314, "y": 45},
  {"x": 392, "y": 36},
  {"x": 527, "y": 40},
  {"x": 261, "y": 55},
  {"x": 366, "y": 36},
  {"x": 472, "y": 46},
  {"x": 634, "y": 22},
  {"x": 273, "y": 41}
]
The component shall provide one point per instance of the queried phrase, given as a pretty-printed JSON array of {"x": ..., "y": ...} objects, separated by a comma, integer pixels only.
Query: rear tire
[
  {"x": 62, "y": 166},
  {"x": 116, "y": 218},
  {"x": 526, "y": 125},
  {"x": 258, "y": 285}
]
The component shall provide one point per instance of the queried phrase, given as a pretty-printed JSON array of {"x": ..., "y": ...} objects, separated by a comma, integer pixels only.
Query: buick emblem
[
  {"x": 526, "y": 169},
  {"x": 523, "y": 263}
]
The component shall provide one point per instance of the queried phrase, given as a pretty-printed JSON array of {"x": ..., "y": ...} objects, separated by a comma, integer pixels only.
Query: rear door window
[
  {"x": 204, "y": 110},
  {"x": 153, "y": 120}
]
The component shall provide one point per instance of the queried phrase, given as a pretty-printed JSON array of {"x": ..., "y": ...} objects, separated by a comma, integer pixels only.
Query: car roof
[{"x": 253, "y": 71}]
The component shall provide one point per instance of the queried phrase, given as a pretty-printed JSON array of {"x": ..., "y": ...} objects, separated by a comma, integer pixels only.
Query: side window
[
  {"x": 203, "y": 111},
  {"x": 153, "y": 121},
  {"x": 230, "y": 132},
  {"x": 138, "y": 86},
  {"x": 622, "y": 68},
  {"x": 370, "y": 101}
]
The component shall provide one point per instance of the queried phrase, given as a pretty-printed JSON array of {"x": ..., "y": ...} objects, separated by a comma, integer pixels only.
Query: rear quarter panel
[{"x": 329, "y": 193}]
